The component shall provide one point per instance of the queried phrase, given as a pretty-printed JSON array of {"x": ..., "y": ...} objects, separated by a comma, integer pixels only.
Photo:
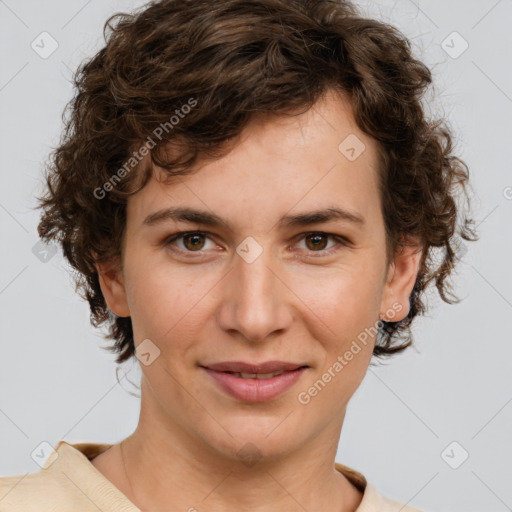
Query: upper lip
[{"x": 264, "y": 367}]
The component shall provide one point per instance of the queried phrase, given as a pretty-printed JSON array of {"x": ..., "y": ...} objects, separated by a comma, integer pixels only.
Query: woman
[{"x": 250, "y": 193}]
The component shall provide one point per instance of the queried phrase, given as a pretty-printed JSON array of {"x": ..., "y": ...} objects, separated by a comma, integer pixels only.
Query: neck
[{"x": 168, "y": 469}]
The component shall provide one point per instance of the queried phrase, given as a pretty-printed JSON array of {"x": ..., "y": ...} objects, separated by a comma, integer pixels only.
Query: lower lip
[{"x": 255, "y": 390}]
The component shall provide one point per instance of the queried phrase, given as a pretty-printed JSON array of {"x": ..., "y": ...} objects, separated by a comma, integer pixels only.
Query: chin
[{"x": 255, "y": 438}]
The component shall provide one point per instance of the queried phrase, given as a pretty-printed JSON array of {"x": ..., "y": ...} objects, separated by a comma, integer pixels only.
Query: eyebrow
[{"x": 209, "y": 219}]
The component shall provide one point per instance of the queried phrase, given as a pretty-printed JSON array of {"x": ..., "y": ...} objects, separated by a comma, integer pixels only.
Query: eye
[
  {"x": 316, "y": 242},
  {"x": 192, "y": 241}
]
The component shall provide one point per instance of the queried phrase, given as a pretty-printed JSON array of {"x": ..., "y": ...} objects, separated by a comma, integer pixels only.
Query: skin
[{"x": 293, "y": 303}]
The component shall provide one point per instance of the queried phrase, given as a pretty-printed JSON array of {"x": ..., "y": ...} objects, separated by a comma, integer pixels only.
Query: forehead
[{"x": 278, "y": 164}]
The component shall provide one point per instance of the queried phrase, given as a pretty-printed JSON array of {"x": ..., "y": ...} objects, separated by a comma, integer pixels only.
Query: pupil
[
  {"x": 316, "y": 237},
  {"x": 194, "y": 245}
]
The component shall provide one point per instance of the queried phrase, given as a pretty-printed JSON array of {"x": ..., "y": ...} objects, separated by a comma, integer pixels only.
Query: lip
[
  {"x": 255, "y": 390},
  {"x": 263, "y": 367}
]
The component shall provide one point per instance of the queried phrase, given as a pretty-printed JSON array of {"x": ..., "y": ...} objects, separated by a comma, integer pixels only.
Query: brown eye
[
  {"x": 316, "y": 241},
  {"x": 189, "y": 241},
  {"x": 318, "y": 244},
  {"x": 193, "y": 241}
]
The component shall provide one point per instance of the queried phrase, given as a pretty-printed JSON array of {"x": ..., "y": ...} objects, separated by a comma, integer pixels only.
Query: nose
[{"x": 255, "y": 302}]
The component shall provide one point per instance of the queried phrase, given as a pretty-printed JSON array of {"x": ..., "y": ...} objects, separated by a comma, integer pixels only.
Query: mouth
[
  {"x": 255, "y": 382},
  {"x": 261, "y": 376}
]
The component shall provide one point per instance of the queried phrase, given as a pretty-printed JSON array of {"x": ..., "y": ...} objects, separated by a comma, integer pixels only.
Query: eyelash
[{"x": 340, "y": 240}]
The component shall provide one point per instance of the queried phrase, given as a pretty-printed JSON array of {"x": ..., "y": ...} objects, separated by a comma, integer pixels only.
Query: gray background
[{"x": 456, "y": 385}]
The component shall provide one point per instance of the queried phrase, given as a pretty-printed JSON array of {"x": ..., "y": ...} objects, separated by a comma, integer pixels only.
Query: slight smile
[{"x": 255, "y": 382}]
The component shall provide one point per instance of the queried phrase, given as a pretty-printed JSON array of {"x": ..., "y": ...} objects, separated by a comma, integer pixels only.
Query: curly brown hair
[{"x": 236, "y": 59}]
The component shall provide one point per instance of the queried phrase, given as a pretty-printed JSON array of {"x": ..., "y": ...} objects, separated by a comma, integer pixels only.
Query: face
[{"x": 256, "y": 277}]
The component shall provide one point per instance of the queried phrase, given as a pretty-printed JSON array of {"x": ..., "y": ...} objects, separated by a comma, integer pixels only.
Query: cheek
[
  {"x": 345, "y": 299},
  {"x": 342, "y": 315},
  {"x": 346, "y": 331},
  {"x": 166, "y": 307},
  {"x": 164, "y": 299}
]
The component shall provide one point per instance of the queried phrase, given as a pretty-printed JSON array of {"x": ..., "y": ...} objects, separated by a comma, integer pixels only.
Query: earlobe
[
  {"x": 112, "y": 286},
  {"x": 401, "y": 277}
]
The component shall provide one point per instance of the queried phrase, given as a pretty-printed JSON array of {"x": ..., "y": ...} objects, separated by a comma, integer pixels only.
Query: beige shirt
[{"x": 68, "y": 482}]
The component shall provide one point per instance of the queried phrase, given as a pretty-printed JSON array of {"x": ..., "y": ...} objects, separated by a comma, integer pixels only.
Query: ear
[
  {"x": 400, "y": 280},
  {"x": 112, "y": 286}
]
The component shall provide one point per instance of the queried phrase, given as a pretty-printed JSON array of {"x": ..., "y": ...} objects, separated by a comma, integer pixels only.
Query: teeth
[
  {"x": 268, "y": 375},
  {"x": 258, "y": 375}
]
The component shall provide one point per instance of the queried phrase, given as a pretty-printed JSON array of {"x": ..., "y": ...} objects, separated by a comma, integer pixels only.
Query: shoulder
[
  {"x": 66, "y": 481},
  {"x": 373, "y": 501},
  {"x": 36, "y": 492}
]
